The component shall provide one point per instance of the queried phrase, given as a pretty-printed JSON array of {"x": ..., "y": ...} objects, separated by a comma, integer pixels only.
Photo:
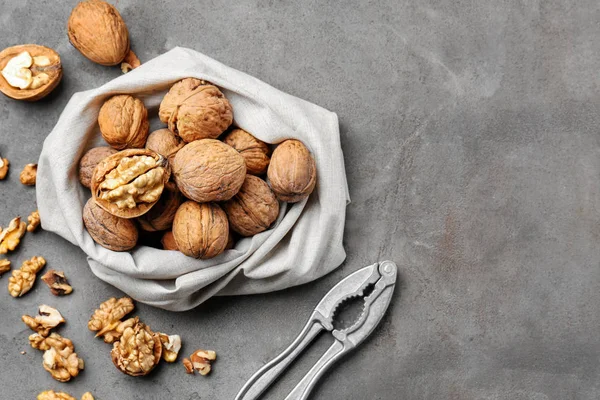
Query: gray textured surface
[{"x": 470, "y": 132}]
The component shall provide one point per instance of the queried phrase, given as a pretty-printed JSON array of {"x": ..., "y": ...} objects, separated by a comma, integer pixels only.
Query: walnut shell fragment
[
  {"x": 108, "y": 317},
  {"x": 292, "y": 172},
  {"x": 29, "y": 72},
  {"x": 195, "y": 109},
  {"x": 208, "y": 170},
  {"x": 255, "y": 152},
  {"x": 98, "y": 31},
  {"x": 123, "y": 121},
  {"x": 200, "y": 230},
  {"x": 253, "y": 209},
  {"x": 22, "y": 279},
  {"x": 161, "y": 216},
  {"x": 90, "y": 160},
  {"x": 47, "y": 319},
  {"x": 4, "y": 164},
  {"x": 109, "y": 231},
  {"x": 52, "y": 395},
  {"x": 138, "y": 351},
  {"x": 57, "y": 282},
  {"x": 165, "y": 143},
  {"x": 11, "y": 236},
  {"x": 29, "y": 175},
  {"x": 128, "y": 183}
]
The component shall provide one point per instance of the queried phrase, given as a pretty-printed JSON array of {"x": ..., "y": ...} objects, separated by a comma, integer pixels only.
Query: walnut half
[
  {"x": 60, "y": 359},
  {"x": 33, "y": 221},
  {"x": 28, "y": 175},
  {"x": 47, "y": 319},
  {"x": 52, "y": 395},
  {"x": 109, "y": 315},
  {"x": 11, "y": 236},
  {"x": 138, "y": 351},
  {"x": 22, "y": 279}
]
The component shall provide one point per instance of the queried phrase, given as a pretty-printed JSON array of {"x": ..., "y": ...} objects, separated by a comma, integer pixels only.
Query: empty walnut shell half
[
  {"x": 114, "y": 233},
  {"x": 255, "y": 151},
  {"x": 195, "y": 109},
  {"x": 90, "y": 160},
  {"x": 128, "y": 183},
  {"x": 98, "y": 31},
  {"x": 208, "y": 170},
  {"x": 200, "y": 230},
  {"x": 161, "y": 216},
  {"x": 253, "y": 209},
  {"x": 123, "y": 121},
  {"x": 292, "y": 172},
  {"x": 29, "y": 72}
]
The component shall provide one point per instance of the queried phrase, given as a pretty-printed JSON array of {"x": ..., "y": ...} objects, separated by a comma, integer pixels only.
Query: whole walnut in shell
[
  {"x": 208, "y": 170},
  {"x": 107, "y": 230},
  {"x": 123, "y": 121},
  {"x": 161, "y": 215},
  {"x": 165, "y": 143},
  {"x": 90, "y": 160},
  {"x": 200, "y": 230},
  {"x": 168, "y": 241},
  {"x": 195, "y": 109},
  {"x": 253, "y": 209},
  {"x": 97, "y": 30},
  {"x": 292, "y": 172},
  {"x": 128, "y": 183},
  {"x": 255, "y": 151}
]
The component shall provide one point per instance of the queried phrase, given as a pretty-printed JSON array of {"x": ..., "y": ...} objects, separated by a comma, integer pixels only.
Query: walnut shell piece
[
  {"x": 123, "y": 121},
  {"x": 255, "y": 152},
  {"x": 4, "y": 164},
  {"x": 29, "y": 175},
  {"x": 165, "y": 143},
  {"x": 138, "y": 351},
  {"x": 195, "y": 109},
  {"x": 106, "y": 318},
  {"x": 109, "y": 231},
  {"x": 98, "y": 31},
  {"x": 292, "y": 172},
  {"x": 57, "y": 282},
  {"x": 128, "y": 183},
  {"x": 11, "y": 236},
  {"x": 208, "y": 170},
  {"x": 167, "y": 241},
  {"x": 200, "y": 229},
  {"x": 22, "y": 279},
  {"x": 253, "y": 209},
  {"x": 52, "y": 395},
  {"x": 161, "y": 215},
  {"x": 90, "y": 160},
  {"x": 29, "y": 72}
]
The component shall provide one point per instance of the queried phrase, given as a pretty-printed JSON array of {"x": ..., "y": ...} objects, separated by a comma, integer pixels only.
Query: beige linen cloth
[{"x": 304, "y": 244}]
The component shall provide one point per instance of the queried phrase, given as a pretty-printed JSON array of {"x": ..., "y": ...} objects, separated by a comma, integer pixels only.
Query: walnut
[
  {"x": 168, "y": 241},
  {"x": 90, "y": 160},
  {"x": 131, "y": 61},
  {"x": 57, "y": 282},
  {"x": 171, "y": 345},
  {"x": 253, "y": 209},
  {"x": 195, "y": 109},
  {"x": 34, "y": 221},
  {"x": 11, "y": 236},
  {"x": 113, "y": 233},
  {"x": 115, "y": 334},
  {"x": 52, "y": 395},
  {"x": 127, "y": 184},
  {"x": 38, "y": 342},
  {"x": 230, "y": 240},
  {"x": 200, "y": 230},
  {"x": 97, "y": 30},
  {"x": 47, "y": 319},
  {"x": 29, "y": 72},
  {"x": 108, "y": 317},
  {"x": 4, "y": 266},
  {"x": 292, "y": 172},
  {"x": 22, "y": 279},
  {"x": 160, "y": 217},
  {"x": 123, "y": 121},
  {"x": 208, "y": 170},
  {"x": 28, "y": 175},
  {"x": 60, "y": 359},
  {"x": 202, "y": 359},
  {"x": 255, "y": 152},
  {"x": 87, "y": 396},
  {"x": 165, "y": 143},
  {"x": 187, "y": 364},
  {"x": 138, "y": 351},
  {"x": 4, "y": 164}
]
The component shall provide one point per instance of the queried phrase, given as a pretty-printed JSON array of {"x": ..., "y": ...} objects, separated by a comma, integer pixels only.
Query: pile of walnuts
[{"x": 196, "y": 183}]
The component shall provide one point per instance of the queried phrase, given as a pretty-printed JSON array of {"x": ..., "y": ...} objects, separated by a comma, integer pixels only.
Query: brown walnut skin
[
  {"x": 113, "y": 233},
  {"x": 161, "y": 215},
  {"x": 90, "y": 160},
  {"x": 123, "y": 121},
  {"x": 292, "y": 172},
  {"x": 195, "y": 109},
  {"x": 165, "y": 143},
  {"x": 98, "y": 31},
  {"x": 200, "y": 230},
  {"x": 54, "y": 71},
  {"x": 208, "y": 170},
  {"x": 255, "y": 152},
  {"x": 253, "y": 209}
]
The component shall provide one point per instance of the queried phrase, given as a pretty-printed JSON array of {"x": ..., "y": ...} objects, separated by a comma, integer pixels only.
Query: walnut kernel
[
  {"x": 171, "y": 345},
  {"x": 87, "y": 396},
  {"x": 187, "y": 364},
  {"x": 255, "y": 152},
  {"x": 11, "y": 236},
  {"x": 109, "y": 315},
  {"x": 202, "y": 360},
  {"x": 138, "y": 351},
  {"x": 28, "y": 175},
  {"x": 22, "y": 279},
  {"x": 57, "y": 282},
  {"x": 52, "y": 395},
  {"x": 123, "y": 121},
  {"x": 4, "y": 164},
  {"x": 131, "y": 61},
  {"x": 47, "y": 319},
  {"x": 4, "y": 266},
  {"x": 60, "y": 359},
  {"x": 33, "y": 221}
]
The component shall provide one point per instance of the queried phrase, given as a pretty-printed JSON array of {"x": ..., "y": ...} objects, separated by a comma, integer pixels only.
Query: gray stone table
[{"x": 471, "y": 134}]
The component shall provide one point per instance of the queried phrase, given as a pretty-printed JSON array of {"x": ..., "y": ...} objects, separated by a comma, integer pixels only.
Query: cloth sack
[{"x": 305, "y": 242}]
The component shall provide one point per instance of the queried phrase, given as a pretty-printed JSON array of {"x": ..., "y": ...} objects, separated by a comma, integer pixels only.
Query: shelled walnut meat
[
  {"x": 90, "y": 160},
  {"x": 29, "y": 72},
  {"x": 123, "y": 121},
  {"x": 57, "y": 282},
  {"x": 22, "y": 279},
  {"x": 292, "y": 172},
  {"x": 109, "y": 231},
  {"x": 11, "y": 236},
  {"x": 208, "y": 170},
  {"x": 60, "y": 359},
  {"x": 52, "y": 395},
  {"x": 33, "y": 221},
  {"x": 253, "y": 209},
  {"x": 128, "y": 183},
  {"x": 165, "y": 143},
  {"x": 107, "y": 318},
  {"x": 4, "y": 164},
  {"x": 255, "y": 152},
  {"x": 161, "y": 215},
  {"x": 200, "y": 229},
  {"x": 47, "y": 319},
  {"x": 29, "y": 175},
  {"x": 138, "y": 350},
  {"x": 171, "y": 345},
  {"x": 195, "y": 109},
  {"x": 201, "y": 361},
  {"x": 4, "y": 266}
]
